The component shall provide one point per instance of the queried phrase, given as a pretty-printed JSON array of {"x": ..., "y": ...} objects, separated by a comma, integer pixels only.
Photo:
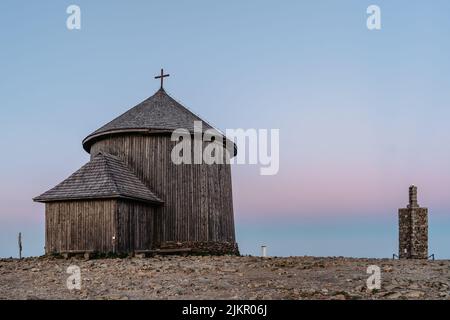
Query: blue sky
[{"x": 362, "y": 114}]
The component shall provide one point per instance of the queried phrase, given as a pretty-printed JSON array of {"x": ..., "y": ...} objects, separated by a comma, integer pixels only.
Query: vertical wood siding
[
  {"x": 135, "y": 223},
  {"x": 91, "y": 224},
  {"x": 198, "y": 197},
  {"x": 80, "y": 225}
]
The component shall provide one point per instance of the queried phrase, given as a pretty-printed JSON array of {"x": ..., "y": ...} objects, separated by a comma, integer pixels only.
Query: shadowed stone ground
[{"x": 224, "y": 277}]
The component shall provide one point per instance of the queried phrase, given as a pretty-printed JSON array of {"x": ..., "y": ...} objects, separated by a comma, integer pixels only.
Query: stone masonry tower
[{"x": 413, "y": 229}]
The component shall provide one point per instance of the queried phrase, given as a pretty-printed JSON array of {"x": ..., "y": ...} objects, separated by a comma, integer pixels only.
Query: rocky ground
[{"x": 224, "y": 277}]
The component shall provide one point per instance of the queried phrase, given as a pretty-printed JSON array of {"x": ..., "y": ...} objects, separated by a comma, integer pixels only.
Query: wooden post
[{"x": 20, "y": 245}]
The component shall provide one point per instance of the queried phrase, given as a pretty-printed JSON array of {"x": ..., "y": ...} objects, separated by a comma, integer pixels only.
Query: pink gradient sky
[{"x": 361, "y": 114}]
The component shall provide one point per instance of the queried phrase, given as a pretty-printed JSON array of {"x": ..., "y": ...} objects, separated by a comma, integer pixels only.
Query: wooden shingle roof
[
  {"x": 105, "y": 176},
  {"x": 159, "y": 113}
]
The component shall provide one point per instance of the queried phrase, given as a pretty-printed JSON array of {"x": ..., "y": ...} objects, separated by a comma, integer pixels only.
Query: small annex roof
[{"x": 105, "y": 176}]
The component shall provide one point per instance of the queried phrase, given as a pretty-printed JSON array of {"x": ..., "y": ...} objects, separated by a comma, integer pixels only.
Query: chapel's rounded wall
[{"x": 198, "y": 204}]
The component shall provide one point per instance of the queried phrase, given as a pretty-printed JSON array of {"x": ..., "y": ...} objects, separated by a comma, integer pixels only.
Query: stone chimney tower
[{"x": 413, "y": 229}]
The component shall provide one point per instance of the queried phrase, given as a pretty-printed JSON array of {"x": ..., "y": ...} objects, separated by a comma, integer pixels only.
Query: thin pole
[{"x": 20, "y": 245}]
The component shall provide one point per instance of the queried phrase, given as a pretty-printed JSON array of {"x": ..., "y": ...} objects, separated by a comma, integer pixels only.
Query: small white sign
[{"x": 264, "y": 251}]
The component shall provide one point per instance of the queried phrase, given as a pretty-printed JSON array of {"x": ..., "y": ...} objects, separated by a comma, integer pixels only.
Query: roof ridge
[
  {"x": 159, "y": 113},
  {"x": 123, "y": 166},
  {"x": 108, "y": 155},
  {"x": 104, "y": 176},
  {"x": 183, "y": 106},
  {"x": 110, "y": 174}
]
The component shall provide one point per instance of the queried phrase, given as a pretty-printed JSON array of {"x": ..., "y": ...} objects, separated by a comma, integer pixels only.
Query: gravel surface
[{"x": 223, "y": 277}]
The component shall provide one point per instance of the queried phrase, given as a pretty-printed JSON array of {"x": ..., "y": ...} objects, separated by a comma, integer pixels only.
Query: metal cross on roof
[{"x": 162, "y": 76}]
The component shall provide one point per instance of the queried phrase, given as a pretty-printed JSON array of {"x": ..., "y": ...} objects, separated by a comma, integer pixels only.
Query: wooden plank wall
[
  {"x": 80, "y": 225},
  {"x": 198, "y": 197},
  {"x": 135, "y": 221}
]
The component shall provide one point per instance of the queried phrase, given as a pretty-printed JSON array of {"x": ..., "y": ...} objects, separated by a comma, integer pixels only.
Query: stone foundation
[{"x": 205, "y": 247}]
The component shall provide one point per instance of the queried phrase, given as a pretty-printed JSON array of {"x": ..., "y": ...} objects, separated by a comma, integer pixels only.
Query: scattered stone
[
  {"x": 387, "y": 269},
  {"x": 393, "y": 295},
  {"x": 223, "y": 277},
  {"x": 414, "y": 294}
]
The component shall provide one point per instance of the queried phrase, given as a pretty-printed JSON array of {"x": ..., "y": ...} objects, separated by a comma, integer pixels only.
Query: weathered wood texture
[
  {"x": 135, "y": 221},
  {"x": 79, "y": 225},
  {"x": 90, "y": 225},
  {"x": 197, "y": 198}
]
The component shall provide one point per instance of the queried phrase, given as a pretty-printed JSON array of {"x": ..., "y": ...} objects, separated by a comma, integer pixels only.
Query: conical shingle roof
[
  {"x": 159, "y": 113},
  {"x": 105, "y": 176}
]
